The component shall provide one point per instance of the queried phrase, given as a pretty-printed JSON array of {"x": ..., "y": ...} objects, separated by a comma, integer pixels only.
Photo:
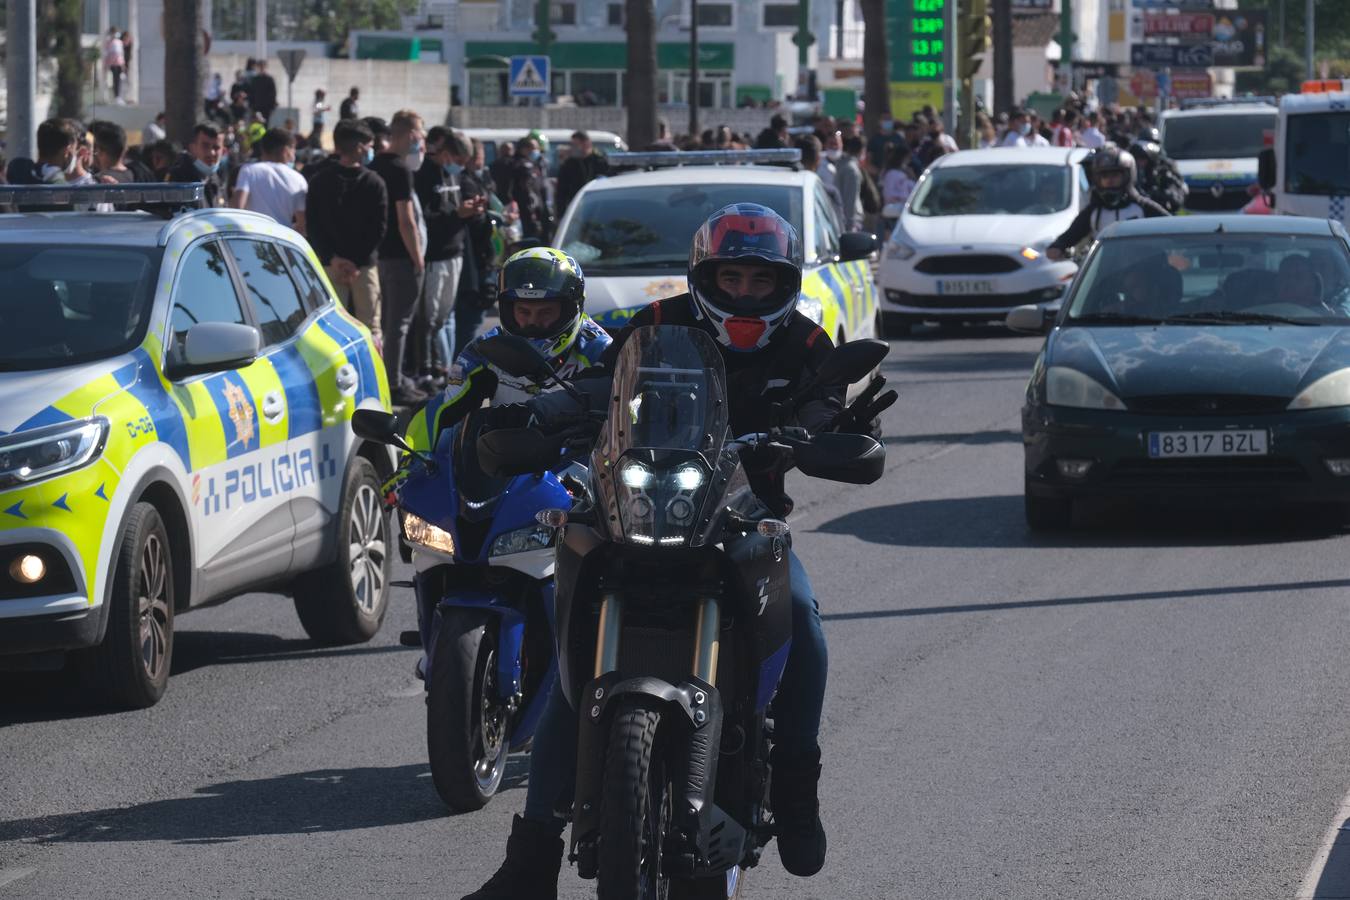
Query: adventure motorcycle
[
  {"x": 674, "y": 616},
  {"x": 484, "y": 585}
]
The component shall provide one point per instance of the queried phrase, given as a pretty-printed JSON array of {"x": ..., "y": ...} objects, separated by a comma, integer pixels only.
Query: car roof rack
[
  {"x": 665, "y": 159},
  {"x": 162, "y": 198},
  {"x": 1212, "y": 102}
]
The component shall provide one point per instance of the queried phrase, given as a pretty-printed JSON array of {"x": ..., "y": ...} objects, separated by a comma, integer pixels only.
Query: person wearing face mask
[
  {"x": 402, "y": 259},
  {"x": 348, "y": 217},
  {"x": 529, "y": 189},
  {"x": 271, "y": 186},
  {"x": 582, "y": 166},
  {"x": 202, "y": 162},
  {"x": 453, "y": 204},
  {"x": 1019, "y": 127}
]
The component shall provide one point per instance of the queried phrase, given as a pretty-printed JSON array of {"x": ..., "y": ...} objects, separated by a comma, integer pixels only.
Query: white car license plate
[
  {"x": 1171, "y": 444},
  {"x": 965, "y": 286}
]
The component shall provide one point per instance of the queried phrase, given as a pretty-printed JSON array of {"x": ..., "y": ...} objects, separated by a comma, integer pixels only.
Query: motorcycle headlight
[
  {"x": 811, "y": 308},
  {"x": 658, "y": 507},
  {"x": 1070, "y": 387},
  {"x": 532, "y": 537},
  {"x": 53, "y": 450},
  {"x": 421, "y": 532},
  {"x": 1327, "y": 391},
  {"x": 636, "y": 476}
]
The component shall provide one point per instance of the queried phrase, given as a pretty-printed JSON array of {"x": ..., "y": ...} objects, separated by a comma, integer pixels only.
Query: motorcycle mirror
[
  {"x": 378, "y": 426},
  {"x": 836, "y": 456},
  {"x": 516, "y": 356},
  {"x": 516, "y": 451},
  {"x": 852, "y": 362}
]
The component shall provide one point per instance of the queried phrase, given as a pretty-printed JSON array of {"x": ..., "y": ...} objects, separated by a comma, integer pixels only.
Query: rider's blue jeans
[{"x": 797, "y": 708}]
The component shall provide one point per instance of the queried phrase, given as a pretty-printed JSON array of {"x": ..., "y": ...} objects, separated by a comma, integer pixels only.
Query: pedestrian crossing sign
[{"x": 529, "y": 76}]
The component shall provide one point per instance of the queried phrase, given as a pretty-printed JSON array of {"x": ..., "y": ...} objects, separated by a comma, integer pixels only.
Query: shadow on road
[
  {"x": 998, "y": 521},
  {"x": 973, "y": 438},
  {"x": 1334, "y": 883},
  {"x": 322, "y": 800},
  {"x": 1337, "y": 584},
  {"x": 984, "y": 362}
]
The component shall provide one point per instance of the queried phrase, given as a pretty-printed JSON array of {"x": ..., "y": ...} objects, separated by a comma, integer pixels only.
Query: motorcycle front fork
[{"x": 707, "y": 627}]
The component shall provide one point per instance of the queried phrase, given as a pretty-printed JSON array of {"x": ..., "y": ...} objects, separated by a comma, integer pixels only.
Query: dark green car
[{"x": 1203, "y": 359}]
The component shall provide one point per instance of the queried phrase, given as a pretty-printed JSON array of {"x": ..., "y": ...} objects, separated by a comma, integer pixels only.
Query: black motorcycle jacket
[{"x": 1096, "y": 216}]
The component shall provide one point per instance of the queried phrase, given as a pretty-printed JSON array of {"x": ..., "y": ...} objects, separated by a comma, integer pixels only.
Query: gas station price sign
[{"x": 918, "y": 30}]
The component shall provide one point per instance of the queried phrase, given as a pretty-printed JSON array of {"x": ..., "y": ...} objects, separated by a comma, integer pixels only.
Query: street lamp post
[
  {"x": 693, "y": 70},
  {"x": 21, "y": 75}
]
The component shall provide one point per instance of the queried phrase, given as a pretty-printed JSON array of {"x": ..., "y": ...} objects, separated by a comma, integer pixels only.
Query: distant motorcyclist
[
  {"x": 744, "y": 282},
  {"x": 1114, "y": 199},
  {"x": 541, "y": 297},
  {"x": 1158, "y": 178}
]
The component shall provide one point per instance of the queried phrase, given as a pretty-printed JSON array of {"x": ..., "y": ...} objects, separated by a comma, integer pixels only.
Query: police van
[
  {"x": 1307, "y": 172},
  {"x": 174, "y": 405},
  {"x": 1215, "y": 145}
]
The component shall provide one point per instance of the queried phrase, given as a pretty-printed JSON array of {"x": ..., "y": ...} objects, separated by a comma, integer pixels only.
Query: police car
[
  {"x": 1215, "y": 145},
  {"x": 631, "y": 233},
  {"x": 174, "y": 406}
]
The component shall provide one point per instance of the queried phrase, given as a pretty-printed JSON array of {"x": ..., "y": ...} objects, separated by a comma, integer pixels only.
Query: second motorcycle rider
[{"x": 744, "y": 281}]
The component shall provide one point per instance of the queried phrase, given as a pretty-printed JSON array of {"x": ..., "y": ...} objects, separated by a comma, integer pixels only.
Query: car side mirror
[
  {"x": 516, "y": 451},
  {"x": 1265, "y": 169},
  {"x": 837, "y": 456},
  {"x": 216, "y": 347},
  {"x": 515, "y": 356},
  {"x": 378, "y": 426},
  {"x": 1030, "y": 319},
  {"x": 857, "y": 245}
]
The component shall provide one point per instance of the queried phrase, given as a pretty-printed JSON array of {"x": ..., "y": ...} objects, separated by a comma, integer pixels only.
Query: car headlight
[
  {"x": 421, "y": 532},
  {"x": 52, "y": 450},
  {"x": 531, "y": 537},
  {"x": 1030, "y": 254},
  {"x": 811, "y": 308},
  {"x": 1070, "y": 387},
  {"x": 899, "y": 249},
  {"x": 1327, "y": 391}
]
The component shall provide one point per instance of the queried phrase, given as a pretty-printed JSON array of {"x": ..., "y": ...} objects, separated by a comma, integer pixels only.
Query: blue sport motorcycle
[{"x": 484, "y": 586}]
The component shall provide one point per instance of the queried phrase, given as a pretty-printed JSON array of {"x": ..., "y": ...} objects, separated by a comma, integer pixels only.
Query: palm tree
[
  {"x": 64, "y": 19},
  {"x": 184, "y": 67},
  {"x": 876, "y": 66},
  {"x": 640, "y": 79}
]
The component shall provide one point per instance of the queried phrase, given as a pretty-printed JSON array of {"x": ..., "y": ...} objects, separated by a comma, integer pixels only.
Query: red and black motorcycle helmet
[{"x": 749, "y": 234}]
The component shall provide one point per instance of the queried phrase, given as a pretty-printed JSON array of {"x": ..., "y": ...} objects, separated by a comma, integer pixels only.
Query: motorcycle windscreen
[
  {"x": 476, "y": 487},
  {"x": 665, "y": 431}
]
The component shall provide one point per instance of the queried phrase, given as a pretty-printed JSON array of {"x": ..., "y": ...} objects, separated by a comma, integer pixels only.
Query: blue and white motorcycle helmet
[{"x": 542, "y": 273}]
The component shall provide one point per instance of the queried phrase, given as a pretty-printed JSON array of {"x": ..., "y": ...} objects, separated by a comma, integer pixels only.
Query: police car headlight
[
  {"x": 533, "y": 537},
  {"x": 422, "y": 533},
  {"x": 811, "y": 308},
  {"x": 52, "y": 450}
]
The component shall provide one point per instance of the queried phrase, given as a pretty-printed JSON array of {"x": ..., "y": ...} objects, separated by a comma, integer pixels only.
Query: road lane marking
[
  {"x": 1337, "y": 841},
  {"x": 9, "y": 876}
]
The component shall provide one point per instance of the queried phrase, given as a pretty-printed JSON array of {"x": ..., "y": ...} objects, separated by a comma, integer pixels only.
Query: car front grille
[
  {"x": 1207, "y": 404},
  {"x": 969, "y": 264},
  {"x": 972, "y": 301},
  {"x": 1201, "y": 199},
  {"x": 1242, "y": 471}
]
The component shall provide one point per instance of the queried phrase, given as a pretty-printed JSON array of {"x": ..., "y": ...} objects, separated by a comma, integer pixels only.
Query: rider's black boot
[
  {"x": 534, "y": 855},
  {"x": 796, "y": 810}
]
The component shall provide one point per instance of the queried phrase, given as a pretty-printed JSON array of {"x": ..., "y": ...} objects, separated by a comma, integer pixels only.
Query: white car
[
  {"x": 970, "y": 243},
  {"x": 631, "y": 234}
]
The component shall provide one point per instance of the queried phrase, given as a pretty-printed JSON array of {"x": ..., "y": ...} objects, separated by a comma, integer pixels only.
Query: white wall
[{"x": 1031, "y": 72}]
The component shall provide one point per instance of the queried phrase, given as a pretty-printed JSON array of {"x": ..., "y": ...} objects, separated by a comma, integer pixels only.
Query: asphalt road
[{"x": 1149, "y": 707}]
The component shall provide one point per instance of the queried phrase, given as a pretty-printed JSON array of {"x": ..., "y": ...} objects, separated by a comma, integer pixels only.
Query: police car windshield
[
  {"x": 1016, "y": 190},
  {"x": 648, "y": 229},
  {"x": 1317, "y": 154},
  {"x": 1218, "y": 136},
  {"x": 64, "y": 306},
  {"x": 1215, "y": 279}
]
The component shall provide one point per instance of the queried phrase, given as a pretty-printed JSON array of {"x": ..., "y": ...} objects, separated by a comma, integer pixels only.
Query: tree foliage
[{"x": 58, "y": 38}]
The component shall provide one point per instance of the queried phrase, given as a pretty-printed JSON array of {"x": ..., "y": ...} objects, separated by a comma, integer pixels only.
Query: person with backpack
[{"x": 348, "y": 215}]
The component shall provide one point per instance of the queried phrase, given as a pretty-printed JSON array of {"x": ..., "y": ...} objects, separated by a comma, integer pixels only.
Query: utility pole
[
  {"x": 876, "y": 67},
  {"x": 1310, "y": 38},
  {"x": 1066, "y": 45},
  {"x": 804, "y": 39},
  {"x": 1003, "y": 55},
  {"x": 21, "y": 75},
  {"x": 693, "y": 71}
]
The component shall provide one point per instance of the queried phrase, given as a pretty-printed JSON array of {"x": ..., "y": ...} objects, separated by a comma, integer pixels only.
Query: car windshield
[
  {"x": 65, "y": 306},
  {"x": 993, "y": 190},
  {"x": 1220, "y": 136},
  {"x": 649, "y": 228},
  {"x": 1317, "y": 154},
  {"x": 1215, "y": 278}
]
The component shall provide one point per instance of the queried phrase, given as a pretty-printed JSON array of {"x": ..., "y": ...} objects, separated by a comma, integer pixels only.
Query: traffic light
[{"x": 972, "y": 35}]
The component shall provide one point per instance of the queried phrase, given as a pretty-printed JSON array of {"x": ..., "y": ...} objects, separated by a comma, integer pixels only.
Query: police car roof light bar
[
  {"x": 670, "y": 159},
  {"x": 87, "y": 195}
]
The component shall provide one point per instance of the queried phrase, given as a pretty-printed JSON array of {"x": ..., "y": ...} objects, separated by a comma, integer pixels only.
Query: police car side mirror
[
  {"x": 215, "y": 347},
  {"x": 857, "y": 245},
  {"x": 1265, "y": 169}
]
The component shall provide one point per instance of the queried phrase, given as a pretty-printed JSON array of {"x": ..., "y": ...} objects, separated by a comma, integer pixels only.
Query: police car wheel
[
  {"x": 131, "y": 667},
  {"x": 344, "y": 602}
]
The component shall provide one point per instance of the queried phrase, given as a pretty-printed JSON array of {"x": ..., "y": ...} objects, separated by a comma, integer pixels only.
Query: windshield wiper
[
  {"x": 1232, "y": 317},
  {"x": 1109, "y": 318}
]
